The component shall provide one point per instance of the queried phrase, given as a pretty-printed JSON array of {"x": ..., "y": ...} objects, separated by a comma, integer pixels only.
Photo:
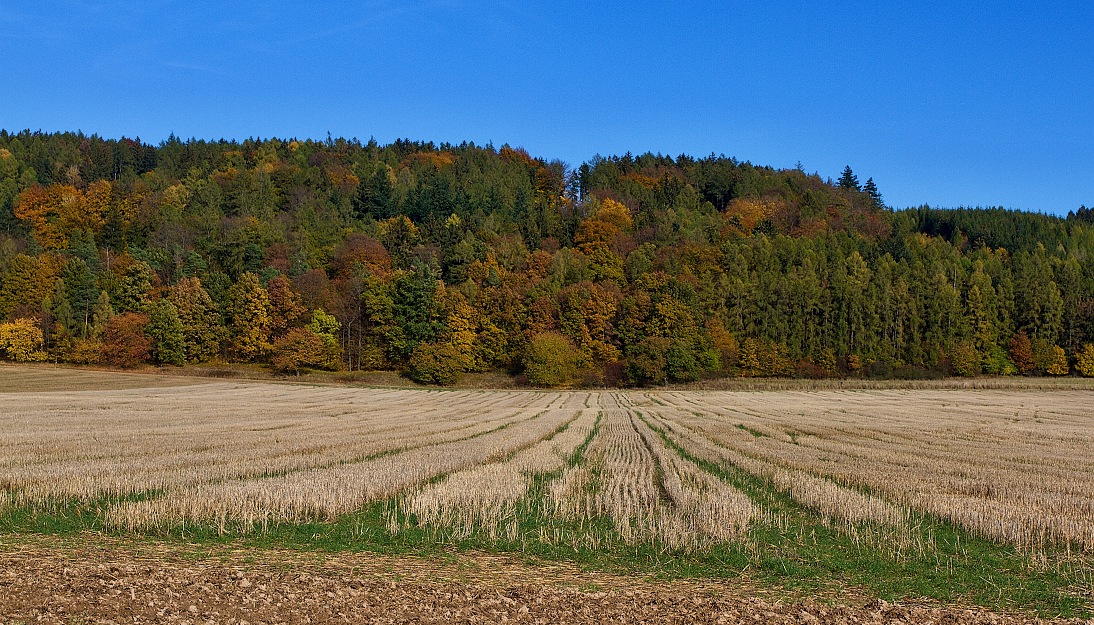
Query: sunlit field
[{"x": 944, "y": 484}]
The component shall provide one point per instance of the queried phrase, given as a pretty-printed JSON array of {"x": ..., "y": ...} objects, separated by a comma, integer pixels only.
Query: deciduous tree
[
  {"x": 303, "y": 348},
  {"x": 1084, "y": 361},
  {"x": 199, "y": 318},
  {"x": 436, "y": 363},
  {"x": 124, "y": 343},
  {"x": 21, "y": 340},
  {"x": 551, "y": 360},
  {"x": 1021, "y": 353},
  {"x": 248, "y": 314}
]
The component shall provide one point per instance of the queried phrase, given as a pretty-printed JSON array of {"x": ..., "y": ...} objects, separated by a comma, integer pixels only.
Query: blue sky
[{"x": 942, "y": 103}]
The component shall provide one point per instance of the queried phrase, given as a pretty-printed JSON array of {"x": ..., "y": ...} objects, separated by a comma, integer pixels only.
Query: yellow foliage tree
[
  {"x": 586, "y": 317},
  {"x": 41, "y": 209},
  {"x": 1059, "y": 364},
  {"x": 750, "y": 358},
  {"x": 724, "y": 342},
  {"x": 745, "y": 214},
  {"x": 551, "y": 360},
  {"x": 249, "y": 318},
  {"x": 461, "y": 321},
  {"x": 1084, "y": 362},
  {"x": 608, "y": 219},
  {"x": 21, "y": 341}
]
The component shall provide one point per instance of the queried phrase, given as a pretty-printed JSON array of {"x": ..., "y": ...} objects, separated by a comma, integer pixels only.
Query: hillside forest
[{"x": 436, "y": 260}]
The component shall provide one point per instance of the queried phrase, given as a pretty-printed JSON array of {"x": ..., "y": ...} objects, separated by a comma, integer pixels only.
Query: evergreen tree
[
  {"x": 875, "y": 196},
  {"x": 164, "y": 330},
  {"x": 65, "y": 322},
  {"x": 102, "y": 313},
  {"x": 414, "y": 310},
  {"x": 375, "y": 196},
  {"x": 848, "y": 180}
]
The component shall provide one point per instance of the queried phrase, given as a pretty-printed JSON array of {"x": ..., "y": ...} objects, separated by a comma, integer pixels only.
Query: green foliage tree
[
  {"x": 636, "y": 258},
  {"x": 870, "y": 189},
  {"x": 376, "y": 195},
  {"x": 996, "y": 362},
  {"x": 848, "y": 180},
  {"x": 413, "y": 310},
  {"x": 65, "y": 323},
  {"x": 165, "y": 331},
  {"x": 648, "y": 361},
  {"x": 132, "y": 286},
  {"x": 324, "y": 325}
]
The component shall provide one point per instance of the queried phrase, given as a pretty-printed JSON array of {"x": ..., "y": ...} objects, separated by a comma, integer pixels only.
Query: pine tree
[
  {"x": 375, "y": 196},
  {"x": 848, "y": 180},
  {"x": 871, "y": 189}
]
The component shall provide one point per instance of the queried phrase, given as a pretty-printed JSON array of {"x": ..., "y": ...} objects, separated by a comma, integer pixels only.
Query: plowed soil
[{"x": 98, "y": 580}]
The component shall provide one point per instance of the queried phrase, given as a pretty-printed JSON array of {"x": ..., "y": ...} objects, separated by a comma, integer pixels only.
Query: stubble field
[{"x": 968, "y": 498}]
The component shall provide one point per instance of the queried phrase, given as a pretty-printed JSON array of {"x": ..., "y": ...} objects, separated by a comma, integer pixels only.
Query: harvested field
[
  {"x": 29, "y": 378},
  {"x": 982, "y": 495},
  {"x": 1010, "y": 466}
]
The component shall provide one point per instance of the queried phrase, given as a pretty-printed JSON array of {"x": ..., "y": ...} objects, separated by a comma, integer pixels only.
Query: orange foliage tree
[
  {"x": 124, "y": 341},
  {"x": 55, "y": 212}
]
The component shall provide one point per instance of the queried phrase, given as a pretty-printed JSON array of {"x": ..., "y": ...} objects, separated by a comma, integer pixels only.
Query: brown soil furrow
[{"x": 106, "y": 581}]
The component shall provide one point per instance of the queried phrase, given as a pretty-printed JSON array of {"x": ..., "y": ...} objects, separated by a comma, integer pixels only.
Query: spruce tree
[
  {"x": 871, "y": 189},
  {"x": 848, "y": 180}
]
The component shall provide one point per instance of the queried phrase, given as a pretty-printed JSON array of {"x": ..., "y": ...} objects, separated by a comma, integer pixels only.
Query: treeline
[{"x": 441, "y": 259}]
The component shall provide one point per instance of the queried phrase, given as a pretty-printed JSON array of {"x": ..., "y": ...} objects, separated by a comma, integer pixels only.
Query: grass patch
[{"x": 756, "y": 433}]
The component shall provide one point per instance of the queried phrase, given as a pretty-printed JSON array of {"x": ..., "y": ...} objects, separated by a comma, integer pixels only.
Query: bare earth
[{"x": 46, "y": 580}]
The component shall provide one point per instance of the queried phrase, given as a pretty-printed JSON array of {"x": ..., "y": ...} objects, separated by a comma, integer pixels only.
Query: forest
[{"x": 439, "y": 260}]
